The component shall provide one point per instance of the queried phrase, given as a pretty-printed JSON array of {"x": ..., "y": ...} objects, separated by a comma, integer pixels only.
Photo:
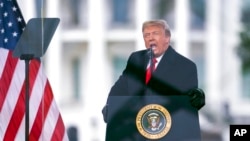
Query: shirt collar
[{"x": 159, "y": 58}]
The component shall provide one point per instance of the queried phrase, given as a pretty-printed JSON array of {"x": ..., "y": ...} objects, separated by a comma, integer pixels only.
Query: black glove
[
  {"x": 197, "y": 98},
  {"x": 105, "y": 113}
]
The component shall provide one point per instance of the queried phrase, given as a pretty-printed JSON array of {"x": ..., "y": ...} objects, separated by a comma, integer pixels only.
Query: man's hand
[{"x": 197, "y": 98}]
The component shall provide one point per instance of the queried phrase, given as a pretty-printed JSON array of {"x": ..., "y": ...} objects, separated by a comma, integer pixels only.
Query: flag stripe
[
  {"x": 20, "y": 134},
  {"x": 11, "y": 97},
  {"x": 36, "y": 99},
  {"x": 6, "y": 78},
  {"x": 3, "y": 54},
  {"x": 50, "y": 123},
  {"x": 57, "y": 135},
  {"x": 19, "y": 110},
  {"x": 15, "y": 119},
  {"x": 41, "y": 114}
]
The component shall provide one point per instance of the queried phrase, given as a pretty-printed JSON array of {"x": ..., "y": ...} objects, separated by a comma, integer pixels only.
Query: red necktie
[{"x": 149, "y": 70}]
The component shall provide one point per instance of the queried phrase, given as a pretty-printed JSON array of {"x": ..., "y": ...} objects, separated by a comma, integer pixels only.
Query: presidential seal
[{"x": 153, "y": 121}]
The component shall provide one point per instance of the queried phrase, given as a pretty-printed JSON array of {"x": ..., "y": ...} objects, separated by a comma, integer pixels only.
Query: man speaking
[{"x": 156, "y": 71}]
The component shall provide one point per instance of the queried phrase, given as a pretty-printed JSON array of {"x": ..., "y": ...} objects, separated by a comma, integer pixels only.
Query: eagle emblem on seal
[{"x": 154, "y": 121}]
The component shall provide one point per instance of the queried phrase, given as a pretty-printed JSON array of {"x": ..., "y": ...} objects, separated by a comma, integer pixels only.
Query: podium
[{"x": 146, "y": 118}]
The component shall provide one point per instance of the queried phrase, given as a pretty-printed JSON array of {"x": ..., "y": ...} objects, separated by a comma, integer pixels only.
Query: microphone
[
  {"x": 150, "y": 52},
  {"x": 150, "y": 56}
]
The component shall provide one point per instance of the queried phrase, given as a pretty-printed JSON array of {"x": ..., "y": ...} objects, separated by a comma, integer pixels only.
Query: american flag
[{"x": 45, "y": 120}]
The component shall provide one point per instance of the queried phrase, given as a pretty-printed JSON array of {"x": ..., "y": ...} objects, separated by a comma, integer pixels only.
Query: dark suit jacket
[{"x": 174, "y": 75}]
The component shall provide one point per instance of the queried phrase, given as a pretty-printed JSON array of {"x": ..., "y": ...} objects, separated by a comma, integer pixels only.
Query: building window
[
  {"x": 119, "y": 53},
  {"x": 121, "y": 13},
  {"x": 119, "y": 64},
  {"x": 73, "y": 71},
  {"x": 164, "y": 9},
  {"x": 197, "y": 52},
  {"x": 74, "y": 13},
  {"x": 76, "y": 77},
  {"x": 198, "y": 14},
  {"x": 245, "y": 18}
]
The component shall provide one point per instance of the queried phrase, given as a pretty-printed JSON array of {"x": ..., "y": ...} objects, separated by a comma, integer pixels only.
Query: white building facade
[{"x": 95, "y": 38}]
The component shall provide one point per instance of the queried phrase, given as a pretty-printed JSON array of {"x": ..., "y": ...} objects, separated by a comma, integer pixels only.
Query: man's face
[{"x": 155, "y": 36}]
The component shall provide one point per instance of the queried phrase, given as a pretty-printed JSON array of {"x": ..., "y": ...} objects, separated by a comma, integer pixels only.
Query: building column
[
  {"x": 53, "y": 53},
  {"x": 143, "y": 13},
  {"x": 182, "y": 24},
  {"x": 95, "y": 93},
  {"x": 213, "y": 54}
]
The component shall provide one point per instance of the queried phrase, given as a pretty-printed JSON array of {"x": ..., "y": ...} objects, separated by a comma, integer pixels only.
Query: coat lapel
[{"x": 165, "y": 64}]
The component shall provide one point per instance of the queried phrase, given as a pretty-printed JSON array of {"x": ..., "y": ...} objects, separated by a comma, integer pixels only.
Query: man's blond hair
[{"x": 161, "y": 23}]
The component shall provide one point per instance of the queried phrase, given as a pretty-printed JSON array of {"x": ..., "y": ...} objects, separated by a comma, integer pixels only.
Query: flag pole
[{"x": 27, "y": 58}]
